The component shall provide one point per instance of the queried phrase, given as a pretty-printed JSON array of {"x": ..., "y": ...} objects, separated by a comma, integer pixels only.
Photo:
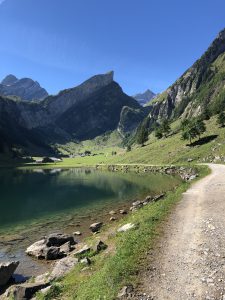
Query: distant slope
[
  {"x": 144, "y": 98},
  {"x": 25, "y": 88}
]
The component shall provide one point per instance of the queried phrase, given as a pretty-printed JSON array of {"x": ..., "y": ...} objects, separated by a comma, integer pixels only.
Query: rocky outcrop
[
  {"x": 6, "y": 271},
  {"x": 25, "y": 88},
  {"x": 130, "y": 118},
  {"x": 54, "y": 246},
  {"x": 144, "y": 98},
  {"x": 205, "y": 77}
]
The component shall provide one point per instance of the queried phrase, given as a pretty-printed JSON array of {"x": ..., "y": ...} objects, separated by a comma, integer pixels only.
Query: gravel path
[{"x": 189, "y": 260}]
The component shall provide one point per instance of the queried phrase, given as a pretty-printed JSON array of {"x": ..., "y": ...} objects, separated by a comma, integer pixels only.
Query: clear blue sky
[{"x": 148, "y": 44}]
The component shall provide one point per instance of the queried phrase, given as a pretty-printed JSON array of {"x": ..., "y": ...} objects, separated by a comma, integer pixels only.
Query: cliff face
[
  {"x": 198, "y": 87},
  {"x": 25, "y": 88}
]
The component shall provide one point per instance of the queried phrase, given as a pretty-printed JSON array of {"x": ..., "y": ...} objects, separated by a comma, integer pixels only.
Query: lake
[{"x": 38, "y": 202}]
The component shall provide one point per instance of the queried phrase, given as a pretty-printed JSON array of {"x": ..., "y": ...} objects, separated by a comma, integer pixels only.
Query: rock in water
[
  {"x": 6, "y": 271},
  {"x": 56, "y": 245},
  {"x": 37, "y": 249},
  {"x": 58, "y": 239}
]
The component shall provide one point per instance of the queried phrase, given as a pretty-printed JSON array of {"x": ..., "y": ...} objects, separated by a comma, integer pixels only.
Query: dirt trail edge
[{"x": 189, "y": 260}]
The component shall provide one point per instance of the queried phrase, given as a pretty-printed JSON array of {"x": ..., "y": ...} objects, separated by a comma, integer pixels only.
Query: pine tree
[
  {"x": 221, "y": 119},
  {"x": 199, "y": 127},
  {"x": 158, "y": 133},
  {"x": 165, "y": 127},
  {"x": 142, "y": 135}
]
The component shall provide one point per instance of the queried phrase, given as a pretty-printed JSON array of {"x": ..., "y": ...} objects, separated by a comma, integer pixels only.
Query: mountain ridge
[
  {"x": 86, "y": 111},
  {"x": 25, "y": 88}
]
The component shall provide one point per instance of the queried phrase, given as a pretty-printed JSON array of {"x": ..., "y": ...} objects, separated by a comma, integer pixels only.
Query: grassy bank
[{"x": 119, "y": 264}]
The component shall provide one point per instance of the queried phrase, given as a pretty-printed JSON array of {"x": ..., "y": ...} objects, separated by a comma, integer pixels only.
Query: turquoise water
[
  {"x": 28, "y": 196},
  {"x": 36, "y": 203}
]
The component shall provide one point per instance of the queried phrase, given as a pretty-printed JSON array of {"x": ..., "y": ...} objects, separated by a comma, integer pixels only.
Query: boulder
[
  {"x": 99, "y": 246},
  {"x": 58, "y": 239},
  {"x": 96, "y": 226},
  {"x": 123, "y": 212},
  {"x": 65, "y": 249},
  {"x": 55, "y": 246},
  {"x": 25, "y": 290},
  {"x": 77, "y": 233},
  {"x": 52, "y": 253},
  {"x": 112, "y": 212},
  {"x": 82, "y": 249},
  {"x": 37, "y": 249},
  {"x": 112, "y": 219},
  {"x": 126, "y": 227},
  {"x": 63, "y": 266},
  {"x": 85, "y": 261},
  {"x": 6, "y": 271}
]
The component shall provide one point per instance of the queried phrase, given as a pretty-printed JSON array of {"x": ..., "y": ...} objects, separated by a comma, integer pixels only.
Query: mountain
[
  {"x": 83, "y": 112},
  {"x": 144, "y": 98},
  {"x": 201, "y": 86},
  {"x": 25, "y": 88}
]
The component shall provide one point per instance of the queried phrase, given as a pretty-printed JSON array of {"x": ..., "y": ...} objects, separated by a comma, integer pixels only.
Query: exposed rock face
[
  {"x": 200, "y": 86},
  {"x": 6, "y": 271},
  {"x": 130, "y": 118},
  {"x": 144, "y": 98},
  {"x": 25, "y": 88},
  {"x": 99, "y": 113}
]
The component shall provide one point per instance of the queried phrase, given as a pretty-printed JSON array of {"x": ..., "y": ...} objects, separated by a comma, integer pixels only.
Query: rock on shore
[{"x": 6, "y": 271}]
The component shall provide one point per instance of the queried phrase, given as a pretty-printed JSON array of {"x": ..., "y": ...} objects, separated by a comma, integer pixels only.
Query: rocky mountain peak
[
  {"x": 145, "y": 97},
  {"x": 25, "y": 88},
  {"x": 9, "y": 80}
]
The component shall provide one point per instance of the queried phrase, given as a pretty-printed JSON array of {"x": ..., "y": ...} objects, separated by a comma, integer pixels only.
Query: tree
[
  {"x": 221, "y": 119},
  {"x": 205, "y": 114},
  {"x": 165, "y": 127},
  {"x": 184, "y": 124},
  {"x": 189, "y": 133},
  {"x": 142, "y": 135},
  {"x": 128, "y": 148},
  {"x": 192, "y": 129},
  {"x": 158, "y": 133},
  {"x": 199, "y": 127}
]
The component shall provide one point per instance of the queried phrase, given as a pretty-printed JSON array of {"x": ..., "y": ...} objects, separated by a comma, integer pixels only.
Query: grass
[
  {"x": 119, "y": 265},
  {"x": 171, "y": 150}
]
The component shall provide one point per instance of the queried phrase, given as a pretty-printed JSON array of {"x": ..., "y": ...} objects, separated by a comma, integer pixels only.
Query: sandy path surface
[{"x": 189, "y": 260}]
